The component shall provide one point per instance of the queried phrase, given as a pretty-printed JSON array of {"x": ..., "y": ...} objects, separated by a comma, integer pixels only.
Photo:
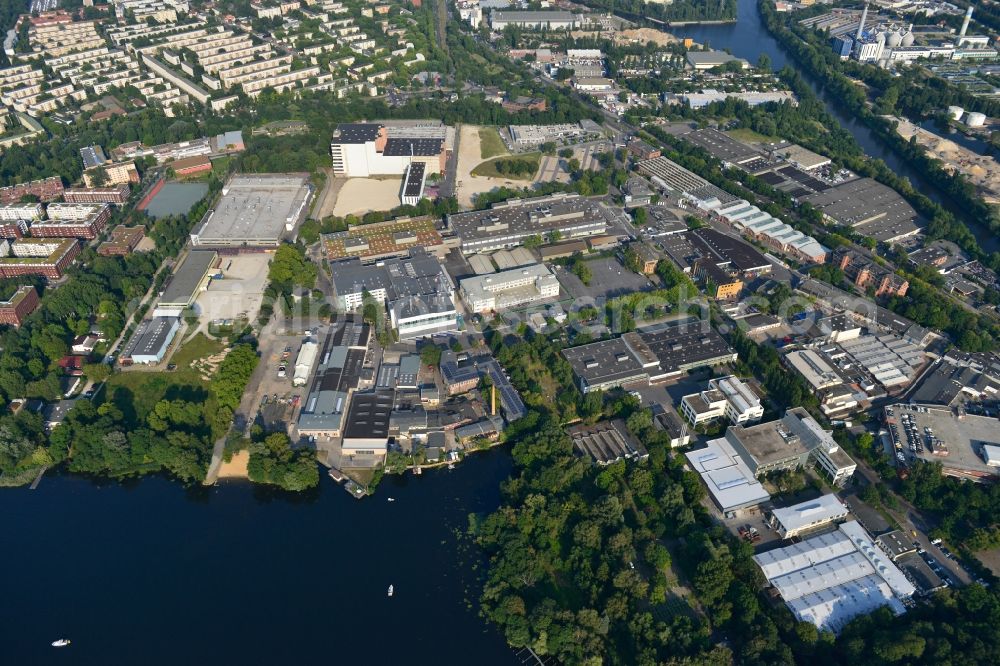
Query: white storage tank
[
  {"x": 955, "y": 112},
  {"x": 975, "y": 119}
]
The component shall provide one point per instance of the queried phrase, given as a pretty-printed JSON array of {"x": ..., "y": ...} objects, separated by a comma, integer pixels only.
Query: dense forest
[{"x": 676, "y": 11}]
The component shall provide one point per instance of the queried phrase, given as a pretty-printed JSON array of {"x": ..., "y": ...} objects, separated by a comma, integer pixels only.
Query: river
[
  {"x": 748, "y": 38},
  {"x": 150, "y": 573}
]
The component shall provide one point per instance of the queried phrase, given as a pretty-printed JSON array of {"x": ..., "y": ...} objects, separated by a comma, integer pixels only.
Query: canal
[
  {"x": 147, "y": 572},
  {"x": 748, "y": 38}
]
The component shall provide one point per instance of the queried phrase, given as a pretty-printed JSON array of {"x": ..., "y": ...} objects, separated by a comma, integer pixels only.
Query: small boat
[
  {"x": 391, "y": 499},
  {"x": 62, "y": 642},
  {"x": 390, "y": 594}
]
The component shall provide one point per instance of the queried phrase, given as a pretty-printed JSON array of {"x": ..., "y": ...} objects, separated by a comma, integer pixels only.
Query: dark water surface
[{"x": 151, "y": 573}]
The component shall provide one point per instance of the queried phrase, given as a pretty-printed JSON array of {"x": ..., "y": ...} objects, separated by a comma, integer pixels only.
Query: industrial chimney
[
  {"x": 965, "y": 23},
  {"x": 861, "y": 26}
]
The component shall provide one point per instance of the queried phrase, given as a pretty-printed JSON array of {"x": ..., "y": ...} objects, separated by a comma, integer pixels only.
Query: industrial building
[
  {"x": 703, "y": 60},
  {"x": 189, "y": 278},
  {"x": 792, "y": 521},
  {"x": 361, "y": 150},
  {"x": 150, "y": 341},
  {"x": 606, "y": 442},
  {"x": 727, "y": 397},
  {"x": 866, "y": 274},
  {"x": 501, "y": 291},
  {"x": 790, "y": 443},
  {"x": 255, "y": 210},
  {"x": 832, "y": 578},
  {"x": 680, "y": 348},
  {"x": 381, "y": 240},
  {"x": 366, "y": 433},
  {"x": 413, "y": 184},
  {"x": 507, "y": 224},
  {"x": 731, "y": 484},
  {"x": 337, "y": 375},
  {"x": 304, "y": 362},
  {"x": 870, "y": 208},
  {"x": 416, "y": 289},
  {"x": 462, "y": 373},
  {"x": 537, "y": 20}
]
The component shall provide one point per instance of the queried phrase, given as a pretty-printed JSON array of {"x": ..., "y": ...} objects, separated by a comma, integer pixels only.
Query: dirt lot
[
  {"x": 644, "y": 35},
  {"x": 235, "y": 468},
  {"x": 469, "y": 157},
  {"x": 363, "y": 195},
  {"x": 240, "y": 291}
]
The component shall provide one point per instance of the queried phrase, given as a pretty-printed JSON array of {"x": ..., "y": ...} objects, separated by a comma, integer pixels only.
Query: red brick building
[
  {"x": 88, "y": 228},
  {"x": 14, "y": 229},
  {"x": 866, "y": 274},
  {"x": 60, "y": 254},
  {"x": 114, "y": 195},
  {"x": 46, "y": 190},
  {"x": 123, "y": 240},
  {"x": 190, "y": 165},
  {"x": 21, "y": 304}
]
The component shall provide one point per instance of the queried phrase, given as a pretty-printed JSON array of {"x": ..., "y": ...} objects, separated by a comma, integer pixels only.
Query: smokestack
[
  {"x": 861, "y": 26},
  {"x": 493, "y": 400},
  {"x": 965, "y": 23}
]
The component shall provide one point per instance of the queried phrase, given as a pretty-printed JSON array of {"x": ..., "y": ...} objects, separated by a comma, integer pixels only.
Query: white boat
[
  {"x": 390, "y": 591},
  {"x": 62, "y": 642},
  {"x": 391, "y": 499}
]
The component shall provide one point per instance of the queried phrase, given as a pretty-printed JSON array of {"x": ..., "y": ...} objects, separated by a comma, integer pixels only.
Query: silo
[
  {"x": 955, "y": 112},
  {"x": 975, "y": 119}
]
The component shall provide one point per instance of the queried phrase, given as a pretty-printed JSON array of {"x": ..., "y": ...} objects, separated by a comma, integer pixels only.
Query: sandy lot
[
  {"x": 469, "y": 157},
  {"x": 981, "y": 170},
  {"x": 363, "y": 195},
  {"x": 644, "y": 35},
  {"x": 240, "y": 290},
  {"x": 235, "y": 468}
]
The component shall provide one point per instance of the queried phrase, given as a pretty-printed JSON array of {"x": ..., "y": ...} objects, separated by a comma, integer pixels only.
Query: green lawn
[
  {"x": 749, "y": 136},
  {"x": 489, "y": 168},
  {"x": 197, "y": 347},
  {"x": 490, "y": 143}
]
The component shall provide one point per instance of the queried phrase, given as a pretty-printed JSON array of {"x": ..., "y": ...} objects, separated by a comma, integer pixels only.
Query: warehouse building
[
  {"x": 189, "y": 279},
  {"x": 150, "y": 341},
  {"x": 731, "y": 484},
  {"x": 608, "y": 364},
  {"x": 366, "y": 433},
  {"x": 832, "y": 578},
  {"x": 507, "y": 224},
  {"x": 257, "y": 210},
  {"x": 501, "y": 291},
  {"x": 536, "y": 20},
  {"x": 703, "y": 60},
  {"x": 798, "y": 519},
  {"x": 870, "y": 208}
]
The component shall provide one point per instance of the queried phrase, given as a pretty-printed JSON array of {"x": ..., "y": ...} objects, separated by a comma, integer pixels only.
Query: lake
[{"x": 153, "y": 573}]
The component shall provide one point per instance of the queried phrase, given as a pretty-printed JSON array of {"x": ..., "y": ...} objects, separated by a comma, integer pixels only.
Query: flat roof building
[
  {"x": 188, "y": 280},
  {"x": 361, "y": 150},
  {"x": 257, "y": 210},
  {"x": 729, "y": 481},
  {"x": 607, "y": 364},
  {"x": 700, "y": 60},
  {"x": 337, "y": 375},
  {"x": 726, "y": 396},
  {"x": 507, "y": 224},
  {"x": 150, "y": 341},
  {"x": 832, "y": 578},
  {"x": 870, "y": 208},
  {"x": 539, "y": 20},
  {"x": 791, "y": 521},
  {"x": 686, "y": 347},
  {"x": 501, "y": 291},
  {"x": 367, "y": 430}
]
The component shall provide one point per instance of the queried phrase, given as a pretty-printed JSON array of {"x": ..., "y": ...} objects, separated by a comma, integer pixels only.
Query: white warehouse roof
[
  {"x": 729, "y": 480},
  {"x": 822, "y": 509}
]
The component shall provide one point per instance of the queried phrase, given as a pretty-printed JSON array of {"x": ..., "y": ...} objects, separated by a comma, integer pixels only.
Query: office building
[
  {"x": 507, "y": 224},
  {"x": 509, "y": 289},
  {"x": 832, "y": 578},
  {"x": 792, "y": 521},
  {"x": 791, "y": 443},
  {"x": 727, "y": 397}
]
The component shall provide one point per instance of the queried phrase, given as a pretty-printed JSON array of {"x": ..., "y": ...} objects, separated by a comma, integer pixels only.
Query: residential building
[
  {"x": 115, "y": 174},
  {"x": 118, "y": 194},
  {"x": 39, "y": 256},
  {"x": 22, "y": 303}
]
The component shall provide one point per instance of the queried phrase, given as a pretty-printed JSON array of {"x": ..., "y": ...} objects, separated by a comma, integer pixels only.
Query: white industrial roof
[
  {"x": 827, "y": 507},
  {"x": 834, "y": 577},
  {"x": 991, "y": 454},
  {"x": 729, "y": 480}
]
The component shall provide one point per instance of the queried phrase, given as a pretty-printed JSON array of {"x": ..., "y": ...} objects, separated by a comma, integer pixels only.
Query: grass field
[
  {"x": 490, "y": 143},
  {"x": 749, "y": 136},
  {"x": 489, "y": 168},
  {"x": 149, "y": 387}
]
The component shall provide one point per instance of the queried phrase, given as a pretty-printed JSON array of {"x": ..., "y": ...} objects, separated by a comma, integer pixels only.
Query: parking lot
[
  {"x": 937, "y": 436},
  {"x": 609, "y": 279}
]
